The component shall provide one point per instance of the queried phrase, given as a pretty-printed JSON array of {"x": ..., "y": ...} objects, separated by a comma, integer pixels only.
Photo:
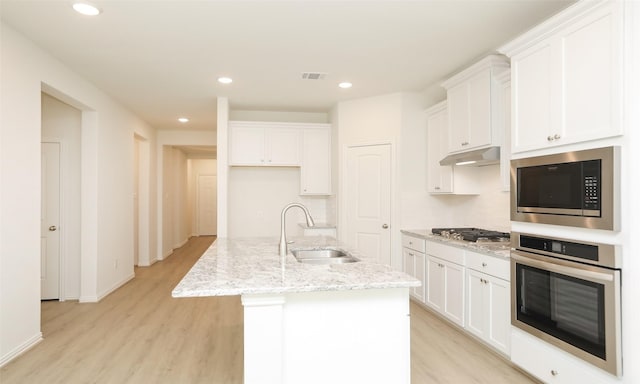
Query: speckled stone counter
[
  {"x": 497, "y": 249},
  {"x": 252, "y": 266}
]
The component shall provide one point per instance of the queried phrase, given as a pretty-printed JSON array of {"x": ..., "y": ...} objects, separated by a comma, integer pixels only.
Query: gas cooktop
[{"x": 471, "y": 234}]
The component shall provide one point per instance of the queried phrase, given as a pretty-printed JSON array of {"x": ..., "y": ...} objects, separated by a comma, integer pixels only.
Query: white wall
[
  {"x": 397, "y": 119},
  {"x": 106, "y": 186},
  {"x": 62, "y": 123},
  {"x": 257, "y": 196}
]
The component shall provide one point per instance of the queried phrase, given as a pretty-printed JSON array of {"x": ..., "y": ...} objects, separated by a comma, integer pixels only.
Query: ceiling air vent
[{"x": 313, "y": 75}]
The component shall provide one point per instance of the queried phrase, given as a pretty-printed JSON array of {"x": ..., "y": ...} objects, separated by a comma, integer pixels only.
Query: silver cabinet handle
[
  {"x": 465, "y": 143},
  {"x": 385, "y": 226},
  {"x": 484, "y": 264},
  {"x": 554, "y": 372},
  {"x": 53, "y": 228},
  {"x": 549, "y": 138},
  {"x": 556, "y": 137}
]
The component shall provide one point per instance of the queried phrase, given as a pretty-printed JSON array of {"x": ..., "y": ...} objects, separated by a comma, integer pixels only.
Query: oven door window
[{"x": 565, "y": 307}]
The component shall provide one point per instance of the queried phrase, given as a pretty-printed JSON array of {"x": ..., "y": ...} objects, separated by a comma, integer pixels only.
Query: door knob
[
  {"x": 385, "y": 226},
  {"x": 52, "y": 228}
]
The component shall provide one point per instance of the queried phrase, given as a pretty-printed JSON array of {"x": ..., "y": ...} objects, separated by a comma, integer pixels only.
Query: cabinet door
[
  {"x": 458, "y": 107},
  {"x": 419, "y": 268},
  {"x": 476, "y": 304},
  {"x": 532, "y": 97},
  {"x": 498, "y": 297},
  {"x": 591, "y": 73},
  {"x": 315, "y": 171},
  {"x": 454, "y": 292},
  {"x": 247, "y": 145},
  {"x": 435, "y": 284},
  {"x": 439, "y": 178},
  {"x": 479, "y": 124},
  {"x": 282, "y": 146}
]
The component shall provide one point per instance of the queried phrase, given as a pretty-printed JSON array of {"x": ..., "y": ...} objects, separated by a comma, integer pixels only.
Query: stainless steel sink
[{"x": 323, "y": 256}]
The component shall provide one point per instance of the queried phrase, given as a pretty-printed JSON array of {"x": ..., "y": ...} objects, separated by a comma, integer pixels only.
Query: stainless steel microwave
[{"x": 577, "y": 189}]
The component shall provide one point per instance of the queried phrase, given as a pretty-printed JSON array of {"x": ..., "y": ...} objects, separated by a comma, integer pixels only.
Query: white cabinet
[
  {"x": 439, "y": 177},
  {"x": 566, "y": 78},
  {"x": 413, "y": 259},
  {"x": 445, "y": 281},
  {"x": 263, "y": 144},
  {"x": 444, "y": 179},
  {"x": 315, "y": 171},
  {"x": 473, "y": 105},
  {"x": 488, "y": 300},
  {"x": 505, "y": 129},
  {"x": 552, "y": 365}
]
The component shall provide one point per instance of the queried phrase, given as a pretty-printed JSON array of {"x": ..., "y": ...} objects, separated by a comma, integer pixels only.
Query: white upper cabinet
[
  {"x": 444, "y": 179},
  {"x": 473, "y": 105},
  {"x": 439, "y": 177},
  {"x": 263, "y": 144},
  {"x": 315, "y": 170},
  {"x": 566, "y": 78}
]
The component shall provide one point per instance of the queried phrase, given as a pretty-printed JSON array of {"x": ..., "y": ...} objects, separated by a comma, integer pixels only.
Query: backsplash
[{"x": 489, "y": 209}]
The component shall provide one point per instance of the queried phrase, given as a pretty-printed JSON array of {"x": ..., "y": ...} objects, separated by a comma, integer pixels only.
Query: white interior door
[
  {"x": 368, "y": 200},
  {"x": 207, "y": 205},
  {"x": 49, "y": 222}
]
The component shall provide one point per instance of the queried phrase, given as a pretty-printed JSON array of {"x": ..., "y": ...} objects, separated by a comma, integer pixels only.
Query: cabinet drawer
[
  {"x": 446, "y": 252},
  {"x": 490, "y": 265},
  {"x": 415, "y": 243}
]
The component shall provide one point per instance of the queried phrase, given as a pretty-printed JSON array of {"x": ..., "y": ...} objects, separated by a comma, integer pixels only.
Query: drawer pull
[
  {"x": 484, "y": 264},
  {"x": 554, "y": 372}
]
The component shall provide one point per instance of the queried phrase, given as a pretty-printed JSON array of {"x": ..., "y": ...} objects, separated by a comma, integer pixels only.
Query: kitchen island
[{"x": 304, "y": 323}]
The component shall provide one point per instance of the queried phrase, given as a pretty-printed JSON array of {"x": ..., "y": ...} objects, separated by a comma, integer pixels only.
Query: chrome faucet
[{"x": 283, "y": 237}]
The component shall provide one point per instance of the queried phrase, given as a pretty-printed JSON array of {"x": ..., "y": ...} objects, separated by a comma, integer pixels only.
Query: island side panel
[{"x": 332, "y": 337}]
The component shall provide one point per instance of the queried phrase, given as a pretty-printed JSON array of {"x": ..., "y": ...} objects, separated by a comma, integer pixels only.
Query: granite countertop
[
  {"x": 497, "y": 249},
  {"x": 252, "y": 266}
]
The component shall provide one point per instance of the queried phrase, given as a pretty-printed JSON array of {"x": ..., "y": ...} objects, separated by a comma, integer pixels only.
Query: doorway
[
  {"x": 367, "y": 202},
  {"x": 60, "y": 237}
]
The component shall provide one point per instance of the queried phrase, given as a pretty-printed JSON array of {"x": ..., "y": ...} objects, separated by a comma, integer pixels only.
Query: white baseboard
[
  {"x": 116, "y": 286},
  {"x": 105, "y": 293},
  {"x": 22, "y": 348},
  {"x": 183, "y": 242}
]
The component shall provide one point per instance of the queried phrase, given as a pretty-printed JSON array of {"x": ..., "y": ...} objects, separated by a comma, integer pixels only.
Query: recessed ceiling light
[
  {"x": 225, "y": 80},
  {"x": 345, "y": 85},
  {"x": 86, "y": 9},
  {"x": 183, "y": 120}
]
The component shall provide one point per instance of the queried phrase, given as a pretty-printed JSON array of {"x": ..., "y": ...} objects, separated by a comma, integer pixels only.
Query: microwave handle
[{"x": 562, "y": 269}]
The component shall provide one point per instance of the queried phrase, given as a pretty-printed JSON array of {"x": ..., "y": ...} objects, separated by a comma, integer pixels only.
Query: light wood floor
[{"x": 139, "y": 334}]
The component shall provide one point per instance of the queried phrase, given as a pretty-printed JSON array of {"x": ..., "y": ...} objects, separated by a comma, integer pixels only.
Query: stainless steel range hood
[{"x": 477, "y": 157}]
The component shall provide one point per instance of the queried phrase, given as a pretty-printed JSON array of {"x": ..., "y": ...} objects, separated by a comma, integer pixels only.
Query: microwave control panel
[{"x": 591, "y": 174}]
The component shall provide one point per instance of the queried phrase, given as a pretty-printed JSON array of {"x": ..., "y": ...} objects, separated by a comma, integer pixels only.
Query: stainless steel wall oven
[
  {"x": 578, "y": 189},
  {"x": 568, "y": 294}
]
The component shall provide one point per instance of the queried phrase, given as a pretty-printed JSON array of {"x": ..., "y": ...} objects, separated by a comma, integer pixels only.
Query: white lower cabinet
[
  {"x": 445, "y": 288},
  {"x": 488, "y": 300},
  {"x": 551, "y": 365},
  {"x": 414, "y": 266},
  {"x": 488, "y": 315},
  {"x": 470, "y": 289},
  {"x": 413, "y": 258}
]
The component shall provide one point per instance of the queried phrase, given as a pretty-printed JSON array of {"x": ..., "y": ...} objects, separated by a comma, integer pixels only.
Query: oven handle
[{"x": 565, "y": 270}]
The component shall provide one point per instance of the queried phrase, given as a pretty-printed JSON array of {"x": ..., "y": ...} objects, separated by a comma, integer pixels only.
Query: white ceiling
[{"x": 162, "y": 58}]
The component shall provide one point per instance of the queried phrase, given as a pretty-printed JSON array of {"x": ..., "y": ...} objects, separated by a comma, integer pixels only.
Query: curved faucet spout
[{"x": 283, "y": 236}]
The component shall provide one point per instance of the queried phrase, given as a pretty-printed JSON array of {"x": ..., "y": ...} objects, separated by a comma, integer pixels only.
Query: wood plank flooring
[{"x": 140, "y": 334}]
